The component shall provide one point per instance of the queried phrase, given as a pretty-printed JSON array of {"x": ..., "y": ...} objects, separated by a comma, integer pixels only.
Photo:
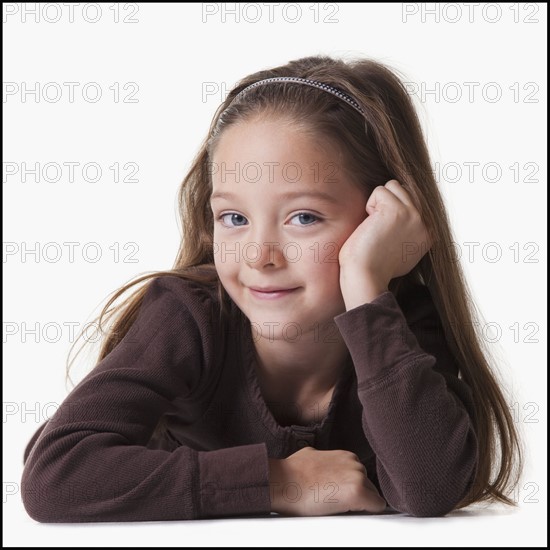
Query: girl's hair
[{"x": 387, "y": 143}]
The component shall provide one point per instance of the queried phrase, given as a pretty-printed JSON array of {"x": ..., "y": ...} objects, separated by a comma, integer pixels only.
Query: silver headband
[{"x": 313, "y": 83}]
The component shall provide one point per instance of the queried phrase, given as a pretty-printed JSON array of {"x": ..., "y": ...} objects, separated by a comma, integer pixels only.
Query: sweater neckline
[{"x": 252, "y": 383}]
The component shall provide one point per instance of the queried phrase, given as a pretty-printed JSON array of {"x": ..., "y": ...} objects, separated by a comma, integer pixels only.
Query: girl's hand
[
  {"x": 387, "y": 244},
  {"x": 320, "y": 483}
]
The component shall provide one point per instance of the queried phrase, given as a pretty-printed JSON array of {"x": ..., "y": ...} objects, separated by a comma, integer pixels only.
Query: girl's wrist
[{"x": 360, "y": 288}]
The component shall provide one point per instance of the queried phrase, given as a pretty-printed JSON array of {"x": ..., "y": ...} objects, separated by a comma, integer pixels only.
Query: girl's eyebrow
[{"x": 320, "y": 195}]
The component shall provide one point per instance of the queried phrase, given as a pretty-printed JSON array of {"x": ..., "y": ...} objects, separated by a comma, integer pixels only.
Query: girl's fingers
[
  {"x": 388, "y": 194},
  {"x": 372, "y": 502},
  {"x": 399, "y": 191}
]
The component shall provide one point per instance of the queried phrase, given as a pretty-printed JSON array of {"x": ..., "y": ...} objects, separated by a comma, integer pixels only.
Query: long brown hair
[{"x": 386, "y": 143}]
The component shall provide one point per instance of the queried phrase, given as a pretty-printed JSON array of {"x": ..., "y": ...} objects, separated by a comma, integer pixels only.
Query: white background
[{"x": 171, "y": 54}]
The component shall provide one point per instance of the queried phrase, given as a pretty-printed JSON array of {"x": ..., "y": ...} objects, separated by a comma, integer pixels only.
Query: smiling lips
[{"x": 271, "y": 293}]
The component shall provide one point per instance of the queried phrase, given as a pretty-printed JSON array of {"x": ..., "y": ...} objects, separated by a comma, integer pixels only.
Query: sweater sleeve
[
  {"x": 91, "y": 463},
  {"x": 416, "y": 411}
]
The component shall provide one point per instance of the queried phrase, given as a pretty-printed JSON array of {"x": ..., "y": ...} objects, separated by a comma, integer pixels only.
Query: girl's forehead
[
  {"x": 276, "y": 151},
  {"x": 276, "y": 124},
  {"x": 268, "y": 141}
]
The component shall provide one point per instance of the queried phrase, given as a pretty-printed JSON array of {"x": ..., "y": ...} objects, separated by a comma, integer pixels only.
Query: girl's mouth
[{"x": 271, "y": 294}]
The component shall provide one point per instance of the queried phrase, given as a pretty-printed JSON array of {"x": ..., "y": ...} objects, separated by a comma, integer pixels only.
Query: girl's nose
[{"x": 263, "y": 254}]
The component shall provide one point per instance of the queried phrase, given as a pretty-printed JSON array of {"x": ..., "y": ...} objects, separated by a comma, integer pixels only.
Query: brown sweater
[{"x": 172, "y": 425}]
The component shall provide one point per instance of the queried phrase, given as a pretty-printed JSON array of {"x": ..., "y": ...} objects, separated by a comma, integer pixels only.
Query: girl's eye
[
  {"x": 305, "y": 216},
  {"x": 236, "y": 218},
  {"x": 231, "y": 219}
]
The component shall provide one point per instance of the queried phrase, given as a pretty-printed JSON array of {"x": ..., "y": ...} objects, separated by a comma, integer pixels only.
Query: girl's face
[{"x": 282, "y": 207}]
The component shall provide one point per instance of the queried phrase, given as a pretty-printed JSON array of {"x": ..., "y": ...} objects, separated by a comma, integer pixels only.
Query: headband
[{"x": 313, "y": 83}]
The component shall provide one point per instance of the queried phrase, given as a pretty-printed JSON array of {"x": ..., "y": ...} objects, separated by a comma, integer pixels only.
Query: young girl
[{"x": 309, "y": 353}]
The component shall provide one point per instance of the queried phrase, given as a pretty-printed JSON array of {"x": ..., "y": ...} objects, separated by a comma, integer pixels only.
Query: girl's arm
[
  {"x": 416, "y": 411},
  {"x": 90, "y": 462}
]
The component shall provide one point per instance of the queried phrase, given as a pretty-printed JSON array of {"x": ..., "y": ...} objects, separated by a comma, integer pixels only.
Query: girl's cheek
[{"x": 323, "y": 251}]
